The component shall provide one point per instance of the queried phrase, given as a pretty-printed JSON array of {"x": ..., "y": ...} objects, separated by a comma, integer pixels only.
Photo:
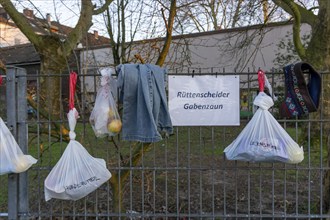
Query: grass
[
  {"x": 199, "y": 148},
  {"x": 3, "y": 193}
]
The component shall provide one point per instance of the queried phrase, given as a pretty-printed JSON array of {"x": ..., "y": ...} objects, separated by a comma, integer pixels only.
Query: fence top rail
[{"x": 171, "y": 72}]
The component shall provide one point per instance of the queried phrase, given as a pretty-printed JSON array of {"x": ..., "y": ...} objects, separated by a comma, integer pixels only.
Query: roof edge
[{"x": 206, "y": 33}]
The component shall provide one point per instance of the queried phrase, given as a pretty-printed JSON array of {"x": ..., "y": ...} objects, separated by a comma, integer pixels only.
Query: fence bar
[
  {"x": 191, "y": 178},
  {"x": 22, "y": 139},
  {"x": 11, "y": 123}
]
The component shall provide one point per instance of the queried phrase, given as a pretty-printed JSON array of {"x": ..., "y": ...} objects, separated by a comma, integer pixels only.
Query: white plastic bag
[
  {"x": 105, "y": 119},
  {"x": 77, "y": 173},
  {"x": 12, "y": 159},
  {"x": 264, "y": 139}
]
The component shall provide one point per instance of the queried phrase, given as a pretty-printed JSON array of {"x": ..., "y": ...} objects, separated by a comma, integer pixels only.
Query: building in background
[
  {"x": 239, "y": 49},
  {"x": 16, "y": 50}
]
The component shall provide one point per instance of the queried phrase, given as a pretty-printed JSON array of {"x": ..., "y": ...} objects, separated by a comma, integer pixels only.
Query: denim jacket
[{"x": 142, "y": 93}]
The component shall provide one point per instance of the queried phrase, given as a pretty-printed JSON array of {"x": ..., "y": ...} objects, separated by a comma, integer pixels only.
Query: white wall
[
  {"x": 229, "y": 49},
  {"x": 10, "y": 36},
  {"x": 233, "y": 50}
]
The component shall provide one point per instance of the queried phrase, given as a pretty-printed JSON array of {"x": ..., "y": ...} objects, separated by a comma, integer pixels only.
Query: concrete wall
[
  {"x": 233, "y": 50},
  {"x": 236, "y": 49}
]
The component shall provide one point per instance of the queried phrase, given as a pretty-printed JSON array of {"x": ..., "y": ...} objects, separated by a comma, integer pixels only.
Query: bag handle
[
  {"x": 261, "y": 80},
  {"x": 73, "y": 82}
]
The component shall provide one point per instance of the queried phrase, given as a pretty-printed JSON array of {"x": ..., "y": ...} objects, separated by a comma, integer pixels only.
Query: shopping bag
[
  {"x": 77, "y": 173},
  {"x": 12, "y": 159},
  {"x": 264, "y": 139},
  {"x": 105, "y": 119}
]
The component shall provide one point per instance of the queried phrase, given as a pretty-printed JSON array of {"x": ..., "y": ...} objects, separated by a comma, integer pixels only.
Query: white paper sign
[{"x": 204, "y": 100}]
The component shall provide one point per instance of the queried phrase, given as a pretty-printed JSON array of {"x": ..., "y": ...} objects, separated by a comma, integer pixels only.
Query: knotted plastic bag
[
  {"x": 105, "y": 119},
  {"x": 77, "y": 173},
  {"x": 12, "y": 159},
  {"x": 264, "y": 139}
]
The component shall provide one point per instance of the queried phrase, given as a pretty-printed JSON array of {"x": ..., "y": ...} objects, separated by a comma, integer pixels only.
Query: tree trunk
[
  {"x": 120, "y": 178},
  {"x": 326, "y": 179},
  {"x": 50, "y": 94},
  {"x": 168, "y": 39},
  {"x": 117, "y": 193},
  {"x": 326, "y": 107},
  {"x": 53, "y": 63},
  {"x": 318, "y": 54}
]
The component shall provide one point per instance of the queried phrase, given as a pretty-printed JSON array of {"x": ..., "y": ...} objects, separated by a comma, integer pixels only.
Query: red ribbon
[
  {"x": 0, "y": 80},
  {"x": 261, "y": 80},
  {"x": 73, "y": 82}
]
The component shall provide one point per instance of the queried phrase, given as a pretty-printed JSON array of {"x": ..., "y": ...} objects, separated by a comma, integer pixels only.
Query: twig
[{"x": 138, "y": 56}]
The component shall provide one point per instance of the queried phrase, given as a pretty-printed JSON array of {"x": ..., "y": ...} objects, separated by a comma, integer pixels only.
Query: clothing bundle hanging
[
  {"x": 301, "y": 98},
  {"x": 142, "y": 92}
]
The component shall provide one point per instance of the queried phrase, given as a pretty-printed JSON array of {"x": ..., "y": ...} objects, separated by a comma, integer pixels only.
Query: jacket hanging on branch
[
  {"x": 264, "y": 139},
  {"x": 12, "y": 159},
  {"x": 145, "y": 112},
  {"x": 77, "y": 173}
]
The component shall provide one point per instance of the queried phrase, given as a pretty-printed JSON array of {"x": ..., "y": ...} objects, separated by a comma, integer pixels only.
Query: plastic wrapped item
[
  {"x": 264, "y": 139},
  {"x": 77, "y": 173},
  {"x": 105, "y": 119},
  {"x": 12, "y": 159}
]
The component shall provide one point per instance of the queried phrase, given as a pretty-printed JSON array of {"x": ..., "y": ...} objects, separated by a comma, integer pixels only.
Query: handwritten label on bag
[
  {"x": 81, "y": 184},
  {"x": 268, "y": 148}
]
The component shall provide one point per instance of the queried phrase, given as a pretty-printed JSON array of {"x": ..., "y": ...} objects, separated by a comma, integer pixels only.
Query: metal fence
[{"x": 185, "y": 176}]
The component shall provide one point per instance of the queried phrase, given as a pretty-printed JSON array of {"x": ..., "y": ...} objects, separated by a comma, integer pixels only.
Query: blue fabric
[{"x": 142, "y": 93}]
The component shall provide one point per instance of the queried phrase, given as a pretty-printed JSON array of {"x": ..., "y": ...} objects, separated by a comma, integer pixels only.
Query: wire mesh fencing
[{"x": 184, "y": 176}]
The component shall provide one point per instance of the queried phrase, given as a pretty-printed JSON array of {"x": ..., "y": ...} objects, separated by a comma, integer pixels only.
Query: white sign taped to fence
[{"x": 205, "y": 100}]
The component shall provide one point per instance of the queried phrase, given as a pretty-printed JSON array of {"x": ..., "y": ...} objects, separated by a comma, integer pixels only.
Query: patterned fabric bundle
[{"x": 300, "y": 98}]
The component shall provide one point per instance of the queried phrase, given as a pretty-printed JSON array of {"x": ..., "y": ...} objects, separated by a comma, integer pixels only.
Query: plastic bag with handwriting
[
  {"x": 264, "y": 139},
  {"x": 77, "y": 173}
]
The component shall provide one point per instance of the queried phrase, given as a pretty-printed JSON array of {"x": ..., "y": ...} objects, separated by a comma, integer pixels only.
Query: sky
[
  {"x": 67, "y": 13},
  {"x": 64, "y": 11}
]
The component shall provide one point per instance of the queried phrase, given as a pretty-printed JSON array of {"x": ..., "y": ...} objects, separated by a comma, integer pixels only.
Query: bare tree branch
[
  {"x": 123, "y": 29},
  {"x": 296, "y": 28},
  {"x": 82, "y": 27},
  {"x": 307, "y": 16},
  {"x": 168, "y": 38},
  {"x": 21, "y": 21},
  {"x": 236, "y": 15},
  {"x": 103, "y": 8},
  {"x": 113, "y": 44},
  {"x": 265, "y": 10}
]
